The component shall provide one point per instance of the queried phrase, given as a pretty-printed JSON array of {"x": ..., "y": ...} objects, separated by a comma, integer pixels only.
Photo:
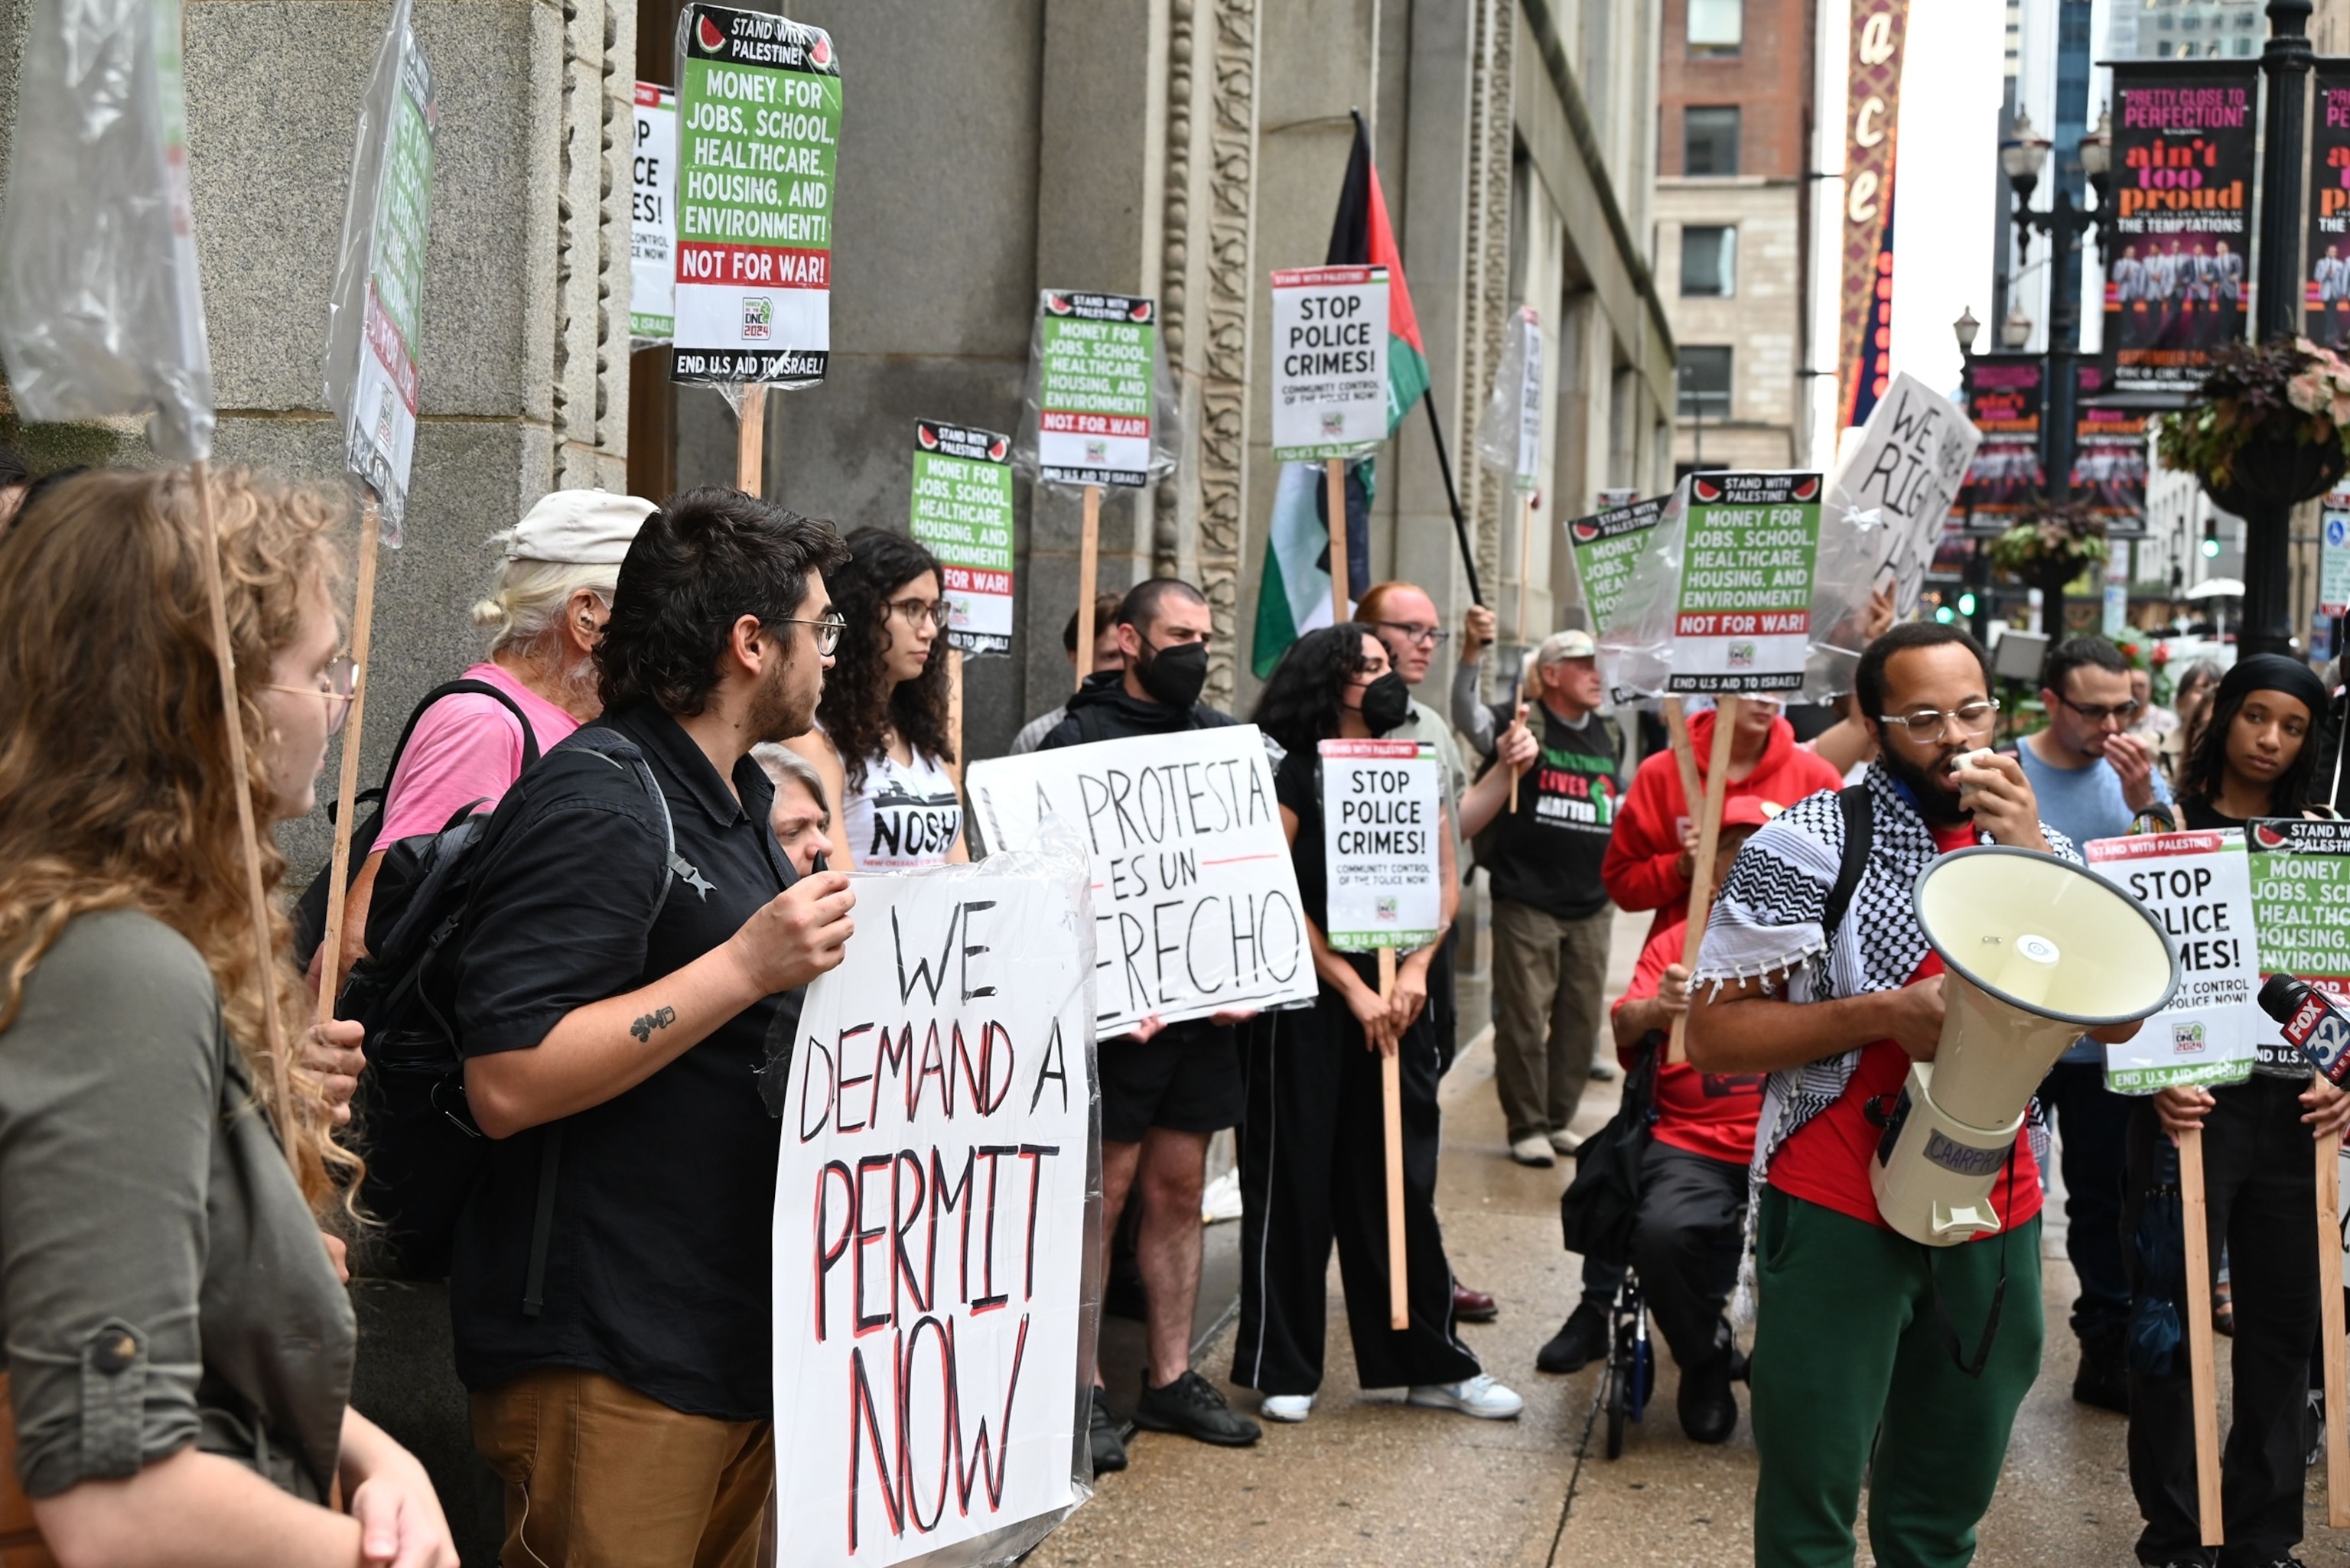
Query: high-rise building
[{"x": 2186, "y": 30}]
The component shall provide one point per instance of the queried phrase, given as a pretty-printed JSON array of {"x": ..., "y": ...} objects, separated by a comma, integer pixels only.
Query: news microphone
[{"x": 2315, "y": 1023}]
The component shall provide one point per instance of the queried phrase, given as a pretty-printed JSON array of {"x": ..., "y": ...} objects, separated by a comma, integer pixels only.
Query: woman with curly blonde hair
[{"x": 179, "y": 1349}]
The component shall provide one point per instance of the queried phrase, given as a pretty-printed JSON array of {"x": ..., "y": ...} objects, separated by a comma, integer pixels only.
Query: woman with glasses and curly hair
[
  {"x": 880, "y": 743},
  {"x": 179, "y": 1348}
]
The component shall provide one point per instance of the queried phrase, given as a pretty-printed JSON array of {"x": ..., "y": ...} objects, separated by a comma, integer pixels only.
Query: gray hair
[
  {"x": 527, "y": 604},
  {"x": 784, "y": 765}
]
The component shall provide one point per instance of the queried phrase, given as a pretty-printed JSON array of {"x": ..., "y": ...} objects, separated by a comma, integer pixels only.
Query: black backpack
[
  {"x": 310, "y": 910},
  {"x": 424, "y": 1151}
]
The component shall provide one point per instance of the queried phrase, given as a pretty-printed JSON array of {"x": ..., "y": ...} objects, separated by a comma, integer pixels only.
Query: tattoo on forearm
[{"x": 643, "y": 1027}]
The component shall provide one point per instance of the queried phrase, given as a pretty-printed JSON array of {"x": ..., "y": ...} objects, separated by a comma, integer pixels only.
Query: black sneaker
[
  {"x": 2103, "y": 1379},
  {"x": 1101, "y": 1431},
  {"x": 1707, "y": 1409},
  {"x": 1191, "y": 1405},
  {"x": 1580, "y": 1340}
]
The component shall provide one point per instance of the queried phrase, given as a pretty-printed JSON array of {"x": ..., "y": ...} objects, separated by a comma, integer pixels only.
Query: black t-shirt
[
  {"x": 1546, "y": 853},
  {"x": 2273, "y": 1058},
  {"x": 657, "y": 1271},
  {"x": 1297, "y": 784}
]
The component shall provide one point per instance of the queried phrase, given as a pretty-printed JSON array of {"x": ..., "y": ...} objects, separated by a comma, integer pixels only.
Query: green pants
[{"x": 1853, "y": 1377}]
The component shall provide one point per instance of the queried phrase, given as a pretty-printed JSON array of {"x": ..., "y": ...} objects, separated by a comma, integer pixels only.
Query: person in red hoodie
[
  {"x": 1693, "y": 1196},
  {"x": 1647, "y": 862}
]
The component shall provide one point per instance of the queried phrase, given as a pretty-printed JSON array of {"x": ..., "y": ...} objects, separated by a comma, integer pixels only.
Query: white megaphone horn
[{"x": 2036, "y": 951}]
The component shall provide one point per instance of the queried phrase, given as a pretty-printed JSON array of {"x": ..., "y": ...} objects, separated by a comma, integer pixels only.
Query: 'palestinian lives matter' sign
[
  {"x": 1095, "y": 354},
  {"x": 1742, "y": 615},
  {"x": 963, "y": 514},
  {"x": 1195, "y": 900},
  {"x": 1329, "y": 362},
  {"x": 1606, "y": 544},
  {"x": 1382, "y": 831},
  {"x": 758, "y": 146},
  {"x": 2198, "y": 886},
  {"x": 931, "y": 1220}
]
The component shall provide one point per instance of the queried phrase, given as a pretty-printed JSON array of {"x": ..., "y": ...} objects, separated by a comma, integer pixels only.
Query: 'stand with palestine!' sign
[
  {"x": 2301, "y": 904},
  {"x": 758, "y": 143},
  {"x": 1382, "y": 831},
  {"x": 931, "y": 1220},
  {"x": 1743, "y": 617},
  {"x": 1095, "y": 353},
  {"x": 1606, "y": 544},
  {"x": 963, "y": 514},
  {"x": 2199, "y": 887},
  {"x": 1329, "y": 362},
  {"x": 1195, "y": 899}
]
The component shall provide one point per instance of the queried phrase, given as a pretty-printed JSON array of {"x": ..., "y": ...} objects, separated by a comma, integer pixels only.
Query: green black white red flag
[{"x": 1361, "y": 236}]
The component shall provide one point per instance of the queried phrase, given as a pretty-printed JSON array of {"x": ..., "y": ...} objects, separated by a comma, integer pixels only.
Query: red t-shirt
[
  {"x": 1827, "y": 1161},
  {"x": 1711, "y": 1113}
]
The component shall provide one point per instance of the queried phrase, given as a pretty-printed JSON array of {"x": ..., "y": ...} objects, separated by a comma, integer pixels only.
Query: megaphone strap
[{"x": 1998, "y": 1292}]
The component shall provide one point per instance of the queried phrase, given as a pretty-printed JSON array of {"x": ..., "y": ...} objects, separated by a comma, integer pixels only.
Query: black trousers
[
  {"x": 2261, "y": 1185},
  {"x": 1314, "y": 1173},
  {"x": 2094, "y": 1123},
  {"x": 1685, "y": 1243}
]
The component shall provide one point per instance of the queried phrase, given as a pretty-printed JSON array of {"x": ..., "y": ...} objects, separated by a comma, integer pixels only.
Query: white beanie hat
[{"x": 576, "y": 528}]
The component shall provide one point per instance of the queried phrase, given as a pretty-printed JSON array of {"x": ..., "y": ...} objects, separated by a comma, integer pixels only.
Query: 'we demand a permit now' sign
[{"x": 1742, "y": 613}]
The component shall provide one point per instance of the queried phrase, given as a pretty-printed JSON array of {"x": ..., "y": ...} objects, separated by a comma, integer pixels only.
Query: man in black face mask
[{"x": 1165, "y": 1091}]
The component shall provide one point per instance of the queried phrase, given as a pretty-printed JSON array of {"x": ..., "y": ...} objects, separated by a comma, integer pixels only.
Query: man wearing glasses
[
  {"x": 2094, "y": 779},
  {"x": 610, "y": 1281},
  {"x": 1875, "y": 1358}
]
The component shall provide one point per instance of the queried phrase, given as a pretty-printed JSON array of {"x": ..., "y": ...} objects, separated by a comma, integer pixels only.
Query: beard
[
  {"x": 1938, "y": 802},
  {"x": 778, "y": 712}
]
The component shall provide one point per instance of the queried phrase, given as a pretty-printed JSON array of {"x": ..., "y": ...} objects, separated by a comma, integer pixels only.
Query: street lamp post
[
  {"x": 1978, "y": 605},
  {"x": 2265, "y": 619}
]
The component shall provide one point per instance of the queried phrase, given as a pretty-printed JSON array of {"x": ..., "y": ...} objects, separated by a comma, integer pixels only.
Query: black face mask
[
  {"x": 1174, "y": 675},
  {"x": 1387, "y": 703}
]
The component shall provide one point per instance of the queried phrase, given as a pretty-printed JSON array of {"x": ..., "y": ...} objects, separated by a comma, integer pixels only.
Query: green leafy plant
[{"x": 2285, "y": 392}]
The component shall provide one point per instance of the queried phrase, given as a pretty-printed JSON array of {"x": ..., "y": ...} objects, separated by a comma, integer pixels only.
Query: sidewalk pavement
[{"x": 1370, "y": 1480}]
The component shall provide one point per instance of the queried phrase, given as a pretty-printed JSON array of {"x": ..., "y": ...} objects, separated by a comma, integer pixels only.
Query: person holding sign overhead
[
  {"x": 880, "y": 743},
  {"x": 1313, "y": 1165}
]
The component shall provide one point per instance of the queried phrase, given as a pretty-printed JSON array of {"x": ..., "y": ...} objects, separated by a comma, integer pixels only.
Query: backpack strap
[
  {"x": 460, "y": 688},
  {"x": 1859, "y": 829}
]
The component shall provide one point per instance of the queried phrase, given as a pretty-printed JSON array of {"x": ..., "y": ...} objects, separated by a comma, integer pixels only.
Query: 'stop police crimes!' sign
[
  {"x": 1329, "y": 362},
  {"x": 758, "y": 145}
]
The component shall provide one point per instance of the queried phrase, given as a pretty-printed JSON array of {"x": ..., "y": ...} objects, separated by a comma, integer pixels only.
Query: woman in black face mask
[{"x": 1312, "y": 1167}]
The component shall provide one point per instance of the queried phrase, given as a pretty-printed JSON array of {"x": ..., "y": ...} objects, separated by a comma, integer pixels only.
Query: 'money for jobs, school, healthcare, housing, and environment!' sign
[
  {"x": 1742, "y": 616},
  {"x": 963, "y": 514},
  {"x": 1094, "y": 387}
]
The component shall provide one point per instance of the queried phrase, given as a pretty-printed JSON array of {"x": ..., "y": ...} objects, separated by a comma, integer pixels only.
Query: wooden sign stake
[
  {"x": 1088, "y": 563},
  {"x": 330, "y": 950},
  {"x": 1684, "y": 758},
  {"x": 1334, "y": 493},
  {"x": 954, "y": 712},
  {"x": 751, "y": 441},
  {"x": 2329, "y": 1298},
  {"x": 2202, "y": 1378},
  {"x": 1525, "y": 559},
  {"x": 1709, "y": 843},
  {"x": 1391, "y": 1114}
]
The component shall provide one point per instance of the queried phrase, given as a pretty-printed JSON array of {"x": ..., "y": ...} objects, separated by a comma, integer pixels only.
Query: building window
[
  {"x": 1704, "y": 382},
  {"x": 1716, "y": 28},
  {"x": 1710, "y": 140},
  {"x": 1709, "y": 263}
]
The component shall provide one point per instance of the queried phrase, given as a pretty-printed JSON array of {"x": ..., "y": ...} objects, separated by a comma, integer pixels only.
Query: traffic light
[
  {"x": 2211, "y": 538},
  {"x": 1967, "y": 603},
  {"x": 1943, "y": 613}
]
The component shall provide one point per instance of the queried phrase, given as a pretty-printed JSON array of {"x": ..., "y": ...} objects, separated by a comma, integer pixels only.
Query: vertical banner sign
[
  {"x": 758, "y": 146},
  {"x": 1380, "y": 823},
  {"x": 931, "y": 1220},
  {"x": 373, "y": 330},
  {"x": 1743, "y": 617},
  {"x": 2109, "y": 459},
  {"x": 1509, "y": 436},
  {"x": 2301, "y": 890},
  {"x": 1873, "y": 104},
  {"x": 1329, "y": 362},
  {"x": 1605, "y": 545},
  {"x": 2333, "y": 560},
  {"x": 2200, "y": 887},
  {"x": 2176, "y": 287},
  {"x": 1899, "y": 479},
  {"x": 1094, "y": 359},
  {"x": 963, "y": 514},
  {"x": 2326, "y": 291},
  {"x": 2004, "y": 400},
  {"x": 652, "y": 216}
]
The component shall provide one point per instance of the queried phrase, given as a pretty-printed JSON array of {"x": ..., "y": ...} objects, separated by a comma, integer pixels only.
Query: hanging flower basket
[
  {"x": 2050, "y": 546},
  {"x": 2268, "y": 425}
]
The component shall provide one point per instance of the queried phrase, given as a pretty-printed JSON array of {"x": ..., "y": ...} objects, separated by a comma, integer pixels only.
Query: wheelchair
[{"x": 1630, "y": 1374}]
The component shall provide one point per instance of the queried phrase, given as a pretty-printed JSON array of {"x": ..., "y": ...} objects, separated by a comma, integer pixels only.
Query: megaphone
[{"x": 2036, "y": 950}]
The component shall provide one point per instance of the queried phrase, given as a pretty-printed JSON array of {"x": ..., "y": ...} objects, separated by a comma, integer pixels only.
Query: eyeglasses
[
  {"x": 342, "y": 678},
  {"x": 828, "y": 630},
  {"x": 1418, "y": 636},
  {"x": 914, "y": 612},
  {"x": 1933, "y": 724},
  {"x": 2098, "y": 712}
]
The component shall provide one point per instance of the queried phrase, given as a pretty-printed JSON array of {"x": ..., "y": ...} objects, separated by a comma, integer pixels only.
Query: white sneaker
[
  {"x": 1482, "y": 1396},
  {"x": 1566, "y": 1143},
  {"x": 1532, "y": 1149},
  {"x": 1290, "y": 1407}
]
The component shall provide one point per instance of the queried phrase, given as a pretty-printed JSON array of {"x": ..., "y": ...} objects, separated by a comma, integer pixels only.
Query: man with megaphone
[{"x": 1901, "y": 1353}]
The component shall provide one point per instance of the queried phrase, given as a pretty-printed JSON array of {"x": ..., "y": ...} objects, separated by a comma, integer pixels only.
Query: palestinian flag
[{"x": 1361, "y": 236}]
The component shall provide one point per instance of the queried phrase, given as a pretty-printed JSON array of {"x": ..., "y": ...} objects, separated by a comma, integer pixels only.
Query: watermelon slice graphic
[
  {"x": 1709, "y": 493},
  {"x": 2268, "y": 837},
  {"x": 996, "y": 449},
  {"x": 1809, "y": 490},
  {"x": 1058, "y": 304},
  {"x": 1141, "y": 311},
  {"x": 707, "y": 31},
  {"x": 928, "y": 436},
  {"x": 1584, "y": 532},
  {"x": 820, "y": 52}
]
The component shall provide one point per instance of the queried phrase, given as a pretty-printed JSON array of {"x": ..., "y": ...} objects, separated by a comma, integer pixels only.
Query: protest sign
[
  {"x": 652, "y": 216},
  {"x": 1329, "y": 362},
  {"x": 963, "y": 514},
  {"x": 2200, "y": 888},
  {"x": 1509, "y": 436},
  {"x": 759, "y": 141},
  {"x": 1094, "y": 402},
  {"x": 1381, "y": 822},
  {"x": 2301, "y": 901},
  {"x": 933, "y": 1316},
  {"x": 1743, "y": 617},
  {"x": 2334, "y": 559},
  {"x": 374, "y": 322},
  {"x": 1605, "y": 545},
  {"x": 1195, "y": 900},
  {"x": 1897, "y": 485}
]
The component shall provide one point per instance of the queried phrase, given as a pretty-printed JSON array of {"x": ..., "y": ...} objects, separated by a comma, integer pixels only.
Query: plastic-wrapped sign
[
  {"x": 1896, "y": 486},
  {"x": 1329, "y": 362},
  {"x": 373, "y": 326},
  {"x": 1509, "y": 437},
  {"x": 1100, "y": 405},
  {"x": 2200, "y": 888},
  {"x": 2300, "y": 897},
  {"x": 1741, "y": 603},
  {"x": 2334, "y": 563},
  {"x": 101, "y": 310},
  {"x": 758, "y": 144},
  {"x": 652, "y": 216},
  {"x": 1606, "y": 544},
  {"x": 963, "y": 514},
  {"x": 1382, "y": 831},
  {"x": 934, "y": 1319}
]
